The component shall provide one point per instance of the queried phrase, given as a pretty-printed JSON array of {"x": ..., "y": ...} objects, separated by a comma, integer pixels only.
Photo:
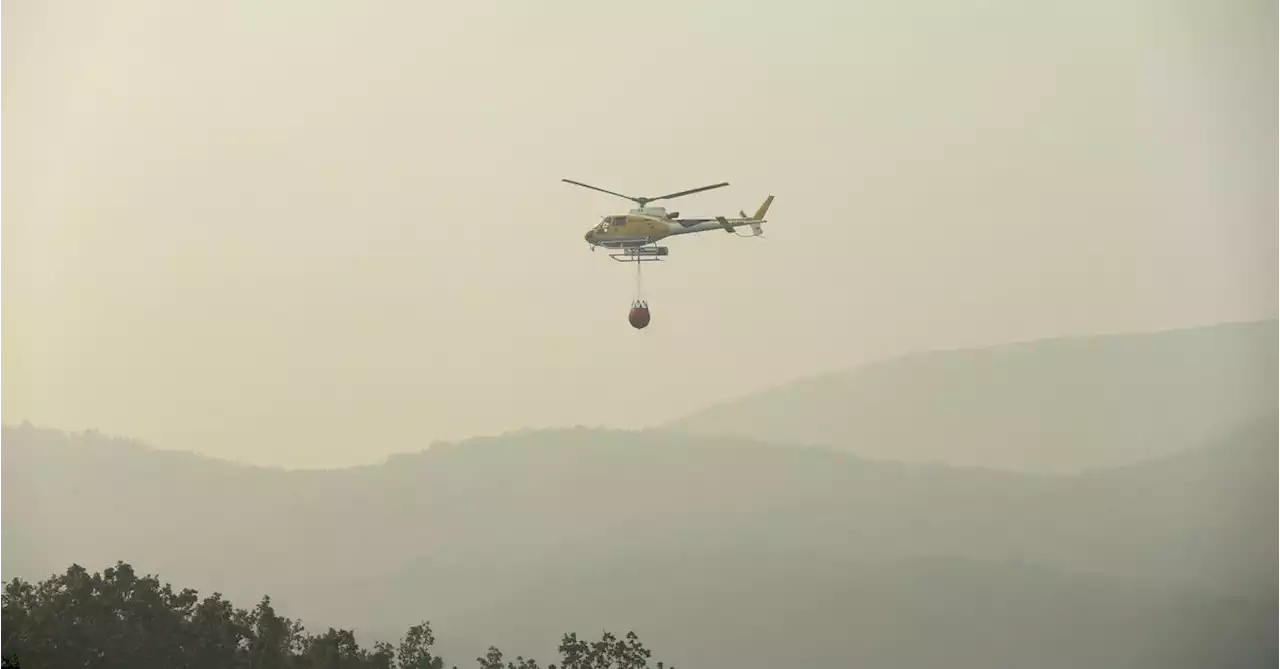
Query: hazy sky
[{"x": 314, "y": 233}]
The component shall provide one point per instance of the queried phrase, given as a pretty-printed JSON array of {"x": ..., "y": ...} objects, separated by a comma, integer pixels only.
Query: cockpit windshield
[{"x": 610, "y": 221}]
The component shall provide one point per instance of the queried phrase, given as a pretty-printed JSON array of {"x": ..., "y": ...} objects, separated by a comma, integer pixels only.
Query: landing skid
[{"x": 641, "y": 254}]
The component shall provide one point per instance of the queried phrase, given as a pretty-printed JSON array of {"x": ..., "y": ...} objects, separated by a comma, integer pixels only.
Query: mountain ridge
[
  {"x": 590, "y": 526},
  {"x": 776, "y": 552},
  {"x": 1055, "y": 404}
]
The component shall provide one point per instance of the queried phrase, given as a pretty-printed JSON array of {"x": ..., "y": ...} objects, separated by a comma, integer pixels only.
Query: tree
[
  {"x": 273, "y": 640},
  {"x": 382, "y": 657},
  {"x": 415, "y": 649},
  {"x": 491, "y": 660},
  {"x": 221, "y": 633},
  {"x": 609, "y": 652},
  {"x": 335, "y": 649}
]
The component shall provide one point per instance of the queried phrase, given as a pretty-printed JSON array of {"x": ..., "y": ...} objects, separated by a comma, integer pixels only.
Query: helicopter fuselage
[{"x": 646, "y": 226}]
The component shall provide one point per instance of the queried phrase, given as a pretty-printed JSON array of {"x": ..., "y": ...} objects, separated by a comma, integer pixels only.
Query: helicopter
[{"x": 635, "y": 234}]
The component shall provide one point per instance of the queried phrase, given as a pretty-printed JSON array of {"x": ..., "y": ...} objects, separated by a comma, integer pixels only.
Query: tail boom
[{"x": 729, "y": 225}]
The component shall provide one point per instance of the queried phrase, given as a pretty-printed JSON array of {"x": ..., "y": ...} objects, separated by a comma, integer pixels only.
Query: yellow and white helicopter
[{"x": 636, "y": 233}]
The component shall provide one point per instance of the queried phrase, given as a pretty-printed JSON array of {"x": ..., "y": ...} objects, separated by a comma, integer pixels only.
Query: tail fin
[
  {"x": 764, "y": 209},
  {"x": 755, "y": 221}
]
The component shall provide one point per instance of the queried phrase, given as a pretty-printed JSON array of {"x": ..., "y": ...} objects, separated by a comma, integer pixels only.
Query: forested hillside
[
  {"x": 513, "y": 540},
  {"x": 120, "y": 618}
]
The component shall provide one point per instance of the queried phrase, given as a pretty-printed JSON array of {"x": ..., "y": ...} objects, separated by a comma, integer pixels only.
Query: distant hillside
[
  {"x": 722, "y": 552},
  {"x": 1053, "y": 405}
]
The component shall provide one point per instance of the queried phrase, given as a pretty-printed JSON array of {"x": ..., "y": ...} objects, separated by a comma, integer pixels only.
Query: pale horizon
[
  {"x": 410, "y": 449},
  {"x": 317, "y": 234}
]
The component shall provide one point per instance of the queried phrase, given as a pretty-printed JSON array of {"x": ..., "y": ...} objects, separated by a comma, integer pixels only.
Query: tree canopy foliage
[{"x": 117, "y": 619}]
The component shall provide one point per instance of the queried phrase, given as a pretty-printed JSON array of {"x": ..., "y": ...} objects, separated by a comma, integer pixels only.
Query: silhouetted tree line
[{"x": 117, "y": 619}]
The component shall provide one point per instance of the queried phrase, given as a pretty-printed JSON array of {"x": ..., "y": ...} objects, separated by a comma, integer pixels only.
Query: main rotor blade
[
  {"x": 578, "y": 183},
  {"x": 688, "y": 192}
]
